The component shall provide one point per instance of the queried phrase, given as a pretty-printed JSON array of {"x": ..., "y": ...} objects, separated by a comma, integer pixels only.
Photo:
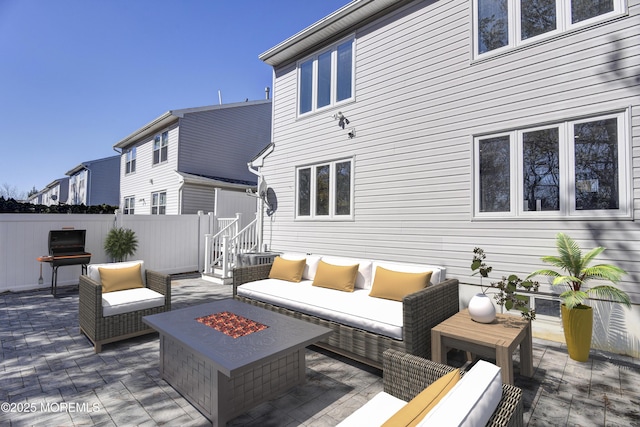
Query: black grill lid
[{"x": 66, "y": 241}]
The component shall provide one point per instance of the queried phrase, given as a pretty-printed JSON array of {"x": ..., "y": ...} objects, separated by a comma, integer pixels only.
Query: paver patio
[{"x": 49, "y": 369}]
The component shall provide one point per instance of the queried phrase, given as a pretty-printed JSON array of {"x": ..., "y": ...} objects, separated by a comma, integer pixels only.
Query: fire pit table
[{"x": 226, "y": 357}]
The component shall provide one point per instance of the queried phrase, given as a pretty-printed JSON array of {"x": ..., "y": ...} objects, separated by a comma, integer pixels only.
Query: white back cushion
[
  {"x": 94, "y": 273},
  {"x": 472, "y": 401}
]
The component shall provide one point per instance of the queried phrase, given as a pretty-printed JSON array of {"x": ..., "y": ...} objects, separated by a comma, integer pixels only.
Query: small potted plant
[
  {"x": 574, "y": 272},
  {"x": 120, "y": 243},
  {"x": 505, "y": 292}
]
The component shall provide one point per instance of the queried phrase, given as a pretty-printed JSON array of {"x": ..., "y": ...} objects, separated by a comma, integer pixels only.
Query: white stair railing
[{"x": 223, "y": 248}]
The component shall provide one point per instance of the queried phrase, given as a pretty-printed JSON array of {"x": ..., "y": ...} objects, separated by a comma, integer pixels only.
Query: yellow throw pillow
[
  {"x": 120, "y": 279},
  {"x": 413, "y": 412},
  {"x": 395, "y": 285},
  {"x": 286, "y": 269},
  {"x": 339, "y": 277}
]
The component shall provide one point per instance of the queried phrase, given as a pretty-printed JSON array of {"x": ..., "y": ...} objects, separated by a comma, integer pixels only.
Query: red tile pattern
[{"x": 231, "y": 324}]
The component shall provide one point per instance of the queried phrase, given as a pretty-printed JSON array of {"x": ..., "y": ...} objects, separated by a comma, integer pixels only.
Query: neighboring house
[
  {"x": 173, "y": 164},
  {"x": 418, "y": 130},
  {"x": 95, "y": 182},
  {"x": 35, "y": 199},
  {"x": 56, "y": 192}
]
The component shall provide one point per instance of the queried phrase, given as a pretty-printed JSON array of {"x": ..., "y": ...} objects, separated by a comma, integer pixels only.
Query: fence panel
[{"x": 167, "y": 243}]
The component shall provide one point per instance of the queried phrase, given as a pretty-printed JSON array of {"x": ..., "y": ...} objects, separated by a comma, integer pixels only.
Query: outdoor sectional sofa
[{"x": 363, "y": 326}]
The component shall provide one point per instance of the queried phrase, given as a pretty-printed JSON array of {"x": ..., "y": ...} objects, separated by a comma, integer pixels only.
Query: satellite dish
[{"x": 262, "y": 189}]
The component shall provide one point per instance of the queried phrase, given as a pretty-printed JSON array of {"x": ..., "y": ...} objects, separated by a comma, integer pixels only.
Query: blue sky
[{"x": 77, "y": 76}]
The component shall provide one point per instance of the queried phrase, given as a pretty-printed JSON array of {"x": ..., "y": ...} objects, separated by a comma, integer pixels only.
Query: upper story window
[
  {"x": 326, "y": 79},
  {"x": 160, "y": 147},
  {"x": 503, "y": 24},
  {"x": 325, "y": 190},
  {"x": 159, "y": 203},
  {"x": 571, "y": 168},
  {"x": 130, "y": 160},
  {"x": 129, "y": 205}
]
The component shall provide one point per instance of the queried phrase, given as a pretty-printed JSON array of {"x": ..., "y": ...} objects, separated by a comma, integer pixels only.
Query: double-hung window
[
  {"x": 326, "y": 79},
  {"x": 160, "y": 147},
  {"x": 503, "y": 24},
  {"x": 325, "y": 190},
  {"x": 129, "y": 206},
  {"x": 159, "y": 203},
  {"x": 572, "y": 168},
  {"x": 130, "y": 160}
]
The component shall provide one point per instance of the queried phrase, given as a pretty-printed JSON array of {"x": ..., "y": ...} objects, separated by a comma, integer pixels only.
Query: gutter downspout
[{"x": 261, "y": 184}]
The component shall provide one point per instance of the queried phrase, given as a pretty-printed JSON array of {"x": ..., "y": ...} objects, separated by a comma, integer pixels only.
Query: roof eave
[{"x": 341, "y": 21}]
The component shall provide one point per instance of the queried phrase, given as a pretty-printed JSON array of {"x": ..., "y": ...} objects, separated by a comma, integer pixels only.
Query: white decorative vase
[{"x": 481, "y": 309}]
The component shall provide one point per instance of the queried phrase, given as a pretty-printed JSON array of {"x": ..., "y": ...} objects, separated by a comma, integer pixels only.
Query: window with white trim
[
  {"x": 327, "y": 78},
  {"x": 129, "y": 206},
  {"x": 159, "y": 203},
  {"x": 572, "y": 168},
  {"x": 325, "y": 190},
  {"x": 503, "y": 24},
  {"x": 160, "y": 148},
  {"x": 130, "y": 160}
]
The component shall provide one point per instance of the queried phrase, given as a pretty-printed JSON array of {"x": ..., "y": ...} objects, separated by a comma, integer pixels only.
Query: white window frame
[
  {"x": 130, "y": 160},
  {"x": 332, "y": 216},
  {"x": 158, "y": 206},
  {"x": 129, "y": 205},
  {"x": 334, "y": 78},
  {"x": 162, "y": 141},
  {"x": 567, "y": 172},
  {"x": 563, "y": 24}
]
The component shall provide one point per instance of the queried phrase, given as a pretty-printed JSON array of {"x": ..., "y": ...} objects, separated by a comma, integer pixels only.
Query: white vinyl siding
[
  {"x": 504, "y": 24},
  {"x": 327, "y": 78},
  {"x": 421, "y": 100},
  {"x": 575, "y": 168}
]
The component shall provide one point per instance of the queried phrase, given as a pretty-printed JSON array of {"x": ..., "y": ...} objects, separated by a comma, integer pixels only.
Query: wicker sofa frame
[
  {"x": 422, "y": 311},
  {"x": 102, "y": 330},
  {"x": 405, "y": 376}
]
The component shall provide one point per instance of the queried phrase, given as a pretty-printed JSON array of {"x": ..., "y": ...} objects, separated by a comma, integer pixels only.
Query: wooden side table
[{"x": 496, "y": 340}]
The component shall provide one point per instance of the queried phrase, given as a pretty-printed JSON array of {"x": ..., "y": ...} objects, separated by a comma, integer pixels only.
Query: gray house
[
  {"x": 418, "y": 130},
  {"x": 95, "y": 182},
  {"x": 175, "y": 163}
]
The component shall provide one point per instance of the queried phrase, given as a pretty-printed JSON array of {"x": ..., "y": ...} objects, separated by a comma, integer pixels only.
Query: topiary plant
[{"x": 120, "y": 243}]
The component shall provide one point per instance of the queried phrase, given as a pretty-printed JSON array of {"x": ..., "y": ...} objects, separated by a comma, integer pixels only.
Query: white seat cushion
[
  {"x": 356, "y": 309},
  {"x": 472, "y": 401},
  {"x": 375, "y": 412},
  {"x": 130, "y": 300}
]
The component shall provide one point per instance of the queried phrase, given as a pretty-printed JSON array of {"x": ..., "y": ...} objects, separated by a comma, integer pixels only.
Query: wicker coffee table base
[{"x": 219, "y": 397}]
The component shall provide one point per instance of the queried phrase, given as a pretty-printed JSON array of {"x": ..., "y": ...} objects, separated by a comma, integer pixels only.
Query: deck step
[{"x": 217, "y": 278}]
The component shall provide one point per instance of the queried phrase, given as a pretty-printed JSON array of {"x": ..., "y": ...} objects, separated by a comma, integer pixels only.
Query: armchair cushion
[
  {"x": 130, "y": 300},
  {"x": 120, "y": 279},
  {"x": 414, "y": 411}
]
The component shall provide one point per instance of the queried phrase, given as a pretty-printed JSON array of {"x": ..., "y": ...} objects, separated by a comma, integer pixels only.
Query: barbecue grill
[{"x": 66, "y": 247}]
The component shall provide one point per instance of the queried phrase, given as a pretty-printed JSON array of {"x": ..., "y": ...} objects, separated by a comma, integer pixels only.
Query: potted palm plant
[
  {"x": 574, "y": 272},
  {"x": 120, "y": 243}
]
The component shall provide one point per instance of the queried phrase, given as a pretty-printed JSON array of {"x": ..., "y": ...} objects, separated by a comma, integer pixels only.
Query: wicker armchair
[
  {"x": 405, "y": 376},
  {"x": 102, "y": 330}
]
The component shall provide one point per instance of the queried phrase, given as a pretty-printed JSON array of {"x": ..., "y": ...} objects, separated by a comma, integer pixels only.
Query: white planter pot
[{"x": 481, "y": 308}]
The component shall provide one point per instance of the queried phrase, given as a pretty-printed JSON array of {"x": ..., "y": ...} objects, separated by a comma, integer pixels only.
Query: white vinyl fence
[{"x": 166, "y": 243}]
